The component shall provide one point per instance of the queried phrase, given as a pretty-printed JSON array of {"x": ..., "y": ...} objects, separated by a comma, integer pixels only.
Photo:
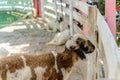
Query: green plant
[
  {"x": 117, "y": 2},
  {"x": 101, "y": 6}
]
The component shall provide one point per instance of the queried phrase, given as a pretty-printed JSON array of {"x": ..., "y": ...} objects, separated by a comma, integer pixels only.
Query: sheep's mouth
[{"x": 80, "y": 54}]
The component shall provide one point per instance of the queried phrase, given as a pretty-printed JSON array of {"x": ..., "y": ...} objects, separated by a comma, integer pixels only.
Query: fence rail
[{"x": 20, "y": 5}]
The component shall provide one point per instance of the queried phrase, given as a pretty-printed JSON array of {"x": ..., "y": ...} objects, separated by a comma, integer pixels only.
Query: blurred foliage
[
  {"x": 101, "y": 6},
  {"x": 117, "y": 2},
  {"x": 6, "y": 18}
]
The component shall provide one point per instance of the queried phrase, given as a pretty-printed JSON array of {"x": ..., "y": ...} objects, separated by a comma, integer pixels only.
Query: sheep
[
  {"x": 63, "y": 26},
  {"x": 60, "y": 38},
  {"x": 3, "y": 52},
  {"x": 47, "y": 66},
  {"x": 54, "y": 26},
  {"x": 85, "y": 44},
  {"x": 58, "y": 25}
]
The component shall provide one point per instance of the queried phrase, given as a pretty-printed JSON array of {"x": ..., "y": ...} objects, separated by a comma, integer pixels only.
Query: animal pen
[
  {"x": 104, "y": 64},
  {"x": 98, "y": 31}
]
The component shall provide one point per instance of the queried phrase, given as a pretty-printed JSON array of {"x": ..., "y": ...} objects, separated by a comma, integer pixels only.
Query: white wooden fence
[{"x": 105, "y": 62}]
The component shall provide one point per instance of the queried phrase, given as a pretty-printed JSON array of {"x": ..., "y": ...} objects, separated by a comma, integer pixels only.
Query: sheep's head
[
  {"x": 84, "y": 43},
  {"x": 71, "y": 45},
  {"x": 80, "y": 45}
]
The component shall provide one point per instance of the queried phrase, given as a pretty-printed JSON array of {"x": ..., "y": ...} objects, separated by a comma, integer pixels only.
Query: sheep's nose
[{"x": 90, "y": 47}]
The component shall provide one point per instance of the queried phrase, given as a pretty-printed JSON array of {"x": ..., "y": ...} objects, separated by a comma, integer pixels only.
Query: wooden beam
[{"x": 92, "y": 19}]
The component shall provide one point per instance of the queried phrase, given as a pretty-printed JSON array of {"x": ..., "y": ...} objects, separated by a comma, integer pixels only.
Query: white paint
[
  {"x": 55, "y": 65},
  {"x": 20, "y": 74},
  {"x": 39, "y": 71}
]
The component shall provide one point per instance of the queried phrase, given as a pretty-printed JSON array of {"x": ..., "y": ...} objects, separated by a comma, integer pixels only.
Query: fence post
[
  {"x": 91, "y": 63},
  {"x": 71, "y": 18},
  {"x": 42, "y": 8},
  {"x": 56, "y": 7}
]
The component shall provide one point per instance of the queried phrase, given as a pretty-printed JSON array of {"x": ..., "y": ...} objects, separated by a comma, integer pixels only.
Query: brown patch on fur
[
  {"x": 10, "y": 63},
  {"x": 34, "y": 77},
  {"x": 3, "y": 75},
  {"x": 43, "y": 60},
  {"x": 66, "y": 59},
  {"x": 40, "y": 60},
  {"x": 53, "y": 75},
  {"x": 60, "y": 75},
  {"x": 47, "y": 72}
]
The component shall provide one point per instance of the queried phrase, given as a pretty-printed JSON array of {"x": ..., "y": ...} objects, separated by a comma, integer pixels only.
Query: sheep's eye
[{"x": 72, "y": 47}]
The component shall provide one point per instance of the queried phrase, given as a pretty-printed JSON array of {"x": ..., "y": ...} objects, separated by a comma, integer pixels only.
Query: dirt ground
[{"x": 28, "y": 36}]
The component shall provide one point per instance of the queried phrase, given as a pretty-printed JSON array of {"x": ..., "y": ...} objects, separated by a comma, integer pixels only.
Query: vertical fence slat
[
  {"x": 42, "y": 8},
  {"x": 71, "y": 18}
]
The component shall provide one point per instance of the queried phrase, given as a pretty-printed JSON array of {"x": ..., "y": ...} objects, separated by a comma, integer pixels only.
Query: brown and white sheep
[{"x": 47, "y": 66}]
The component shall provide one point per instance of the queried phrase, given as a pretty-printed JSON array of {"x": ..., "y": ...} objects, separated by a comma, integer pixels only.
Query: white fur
[
  {"x": 60, "y": 38},
  {"x": 24, "y": 60},
  {"x": 53, "y": 25},
  {"x": 71, "y": 43},
  {"x": 66, "y": 73},
  {"x": 20, "y": 74},
  {"x": 55, "y": 55},
  {"x": 0, "y": 77},
  {"x": 39, "y": 71},
  {"x": 63, "y": 26}
]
